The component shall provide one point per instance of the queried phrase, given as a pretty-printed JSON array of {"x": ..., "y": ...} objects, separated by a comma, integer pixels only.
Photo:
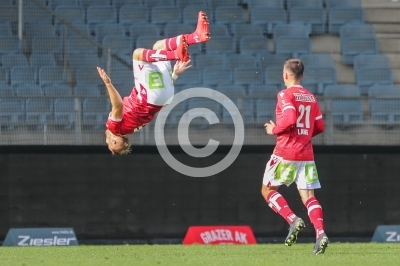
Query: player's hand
[
  {"x": 269, "y": 127},
  {"x": 104, "y": 75},
  {"x": 181, "y": 66}
]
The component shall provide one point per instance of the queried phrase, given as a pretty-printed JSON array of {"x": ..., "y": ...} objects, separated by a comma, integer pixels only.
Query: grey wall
[{"x": 140, "y": 196}]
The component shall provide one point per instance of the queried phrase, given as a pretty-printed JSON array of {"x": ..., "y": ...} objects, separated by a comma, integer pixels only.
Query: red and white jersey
[{"x": 298, "y": 119}]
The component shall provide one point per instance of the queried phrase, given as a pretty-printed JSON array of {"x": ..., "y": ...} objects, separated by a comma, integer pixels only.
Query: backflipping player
[
  {"x": 154, "y": 80},
  {"x": 298, "y": 119}
]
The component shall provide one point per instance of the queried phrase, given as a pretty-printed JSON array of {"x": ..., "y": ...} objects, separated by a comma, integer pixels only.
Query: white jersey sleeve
[{"x": 155, "y": 79}]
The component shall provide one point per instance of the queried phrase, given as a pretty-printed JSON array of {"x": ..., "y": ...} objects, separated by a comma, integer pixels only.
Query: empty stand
[{"x": 268, "y": 17}]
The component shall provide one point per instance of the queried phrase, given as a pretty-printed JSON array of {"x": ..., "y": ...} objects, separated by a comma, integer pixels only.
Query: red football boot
[{"x": 182, "y": 52}]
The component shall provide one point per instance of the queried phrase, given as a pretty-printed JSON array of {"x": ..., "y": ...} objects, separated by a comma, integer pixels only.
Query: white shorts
[{"x": 284, "y": 172}]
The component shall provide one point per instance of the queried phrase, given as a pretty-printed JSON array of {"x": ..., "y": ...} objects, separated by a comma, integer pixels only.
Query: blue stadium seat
[
  {"x": 313, "y": 60},
  {"x": 216, "y": 76},
  {"x": 88, "y": 3},
  {"x": 229, "y": 15},
  {"x": 12, "y": 113},
  {"x": 218, "y": 30},
  {"x": 46, "y": 45},
  {"x": 264, "y": 90},
  {"x": 313, "y": 17},
  {"x": 273, "y": 76},
  {"x": 268, "y": 17},
  {"x": 51, "y": 75},
  {"x": 133, "y": 14},
  {"x": 224, "y": 45},
  {"x": 153, "y": 3},
  {"x": 244, "y": 30},
  {"x": 355, "y": 39},
  {"x": 85, "y": 90},
  {"x": 241, "y": 60},
  {"x": 175, "y": 29},
  {"x": 9, "y": 61},
  {"x": 39, "y": 112},
  {"x": 267, "y": 60},
  {"x": 282, "y": 30},
  {"x": 120, "y": 45},
  {"x": 205, "y": 60},
  {"x": 336, "y": 3},
  {"x": 57, "y": 90},
  {"x": 341, "y": 15},
  {"x": 234, "y": 91},
  {"x": 146, "y": 42},
  {"x": 265, "y": 110},
  {"x": 366, "y": 77},
  {"x": 96, "y": 14},
  {"x": 55, "y": 3},
  {"x": 346, "y": 112},
  {"x": 165, "y": 14},
  {"x": 385, "y": 112},
  {"x": 78, "y": 60},
  {"x": 5, "y": 89},
  {"x": 342, "y": 91},
  {"x": 78, "y": 44},
  {"x": 262, "y": 3},
  {"x": 120, "y": 3},
  {"x": 375, "y": 60},
  {"x": 104, "y": 29},
  {"x": 64, "y": 113},
  {"x": 137, "y": 30},
  {"x": 191, "y": 78},
  {"x": 22, "y": 75},
  {"x": 35, "y": 13},
  {"x": 9, "y": 45},
  {"x": 88, "y": 75},
  {"x": 378, "y": 90},
  {"x": 247, "y": 76},
  {"x": 75, "y": 14},
  {"x": 293, "y": 46},
  {"x": 123, "y": 80},
  {"x": 246, "y": 110},
  {"x": 316, "y": 78},
  {"x": 204, "y": 103},
  {"x": 66, "y": 32},
  {"x": 190, "y": 13},
  {"x": 5, "y": 29},
  {"x": 222, "y": 3},
  {"x": 28, "y": 90},
  {"x": 8, "y": 13},
  {"x": 184, "y": 3},
  {"x": 95, "y": 113},
  {"x": 253, "y": 45}
]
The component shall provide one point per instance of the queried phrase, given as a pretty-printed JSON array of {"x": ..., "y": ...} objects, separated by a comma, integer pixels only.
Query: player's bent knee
[
  {"x": 137, "y": 54},
  {"x": 159, "y": 45}
]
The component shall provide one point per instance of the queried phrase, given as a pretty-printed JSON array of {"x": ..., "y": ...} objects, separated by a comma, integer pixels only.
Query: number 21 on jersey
[{"x": 303, "y": 120}]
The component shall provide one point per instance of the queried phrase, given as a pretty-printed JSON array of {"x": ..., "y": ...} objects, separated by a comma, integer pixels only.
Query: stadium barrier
[
  {"x": 219, "y": 235},
  {"x": 41, "y": 237},
  {"x": 387, "y": 234}
]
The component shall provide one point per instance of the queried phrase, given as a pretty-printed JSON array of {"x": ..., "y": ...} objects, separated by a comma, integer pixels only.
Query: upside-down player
[
  {"x": 298, "y": 119},
  {"x": 153, "y": 85}
]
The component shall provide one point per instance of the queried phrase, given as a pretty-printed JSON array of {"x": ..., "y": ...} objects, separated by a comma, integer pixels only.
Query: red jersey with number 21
[{"x": 298, "y": 119}]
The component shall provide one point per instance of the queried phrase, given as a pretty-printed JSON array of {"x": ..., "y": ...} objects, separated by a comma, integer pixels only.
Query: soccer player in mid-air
[
  {"x": 298, "y": 119},
  {"x": 154, "y": 87}
]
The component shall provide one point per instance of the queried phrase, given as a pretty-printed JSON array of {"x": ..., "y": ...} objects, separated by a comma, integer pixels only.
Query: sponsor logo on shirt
[{"x": 299, "y": 97}]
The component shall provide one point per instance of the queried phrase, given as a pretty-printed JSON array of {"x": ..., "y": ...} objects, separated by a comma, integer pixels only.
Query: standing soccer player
[
  {"x": 298, "y": 119},
  {"x": 154, "y": 87}
]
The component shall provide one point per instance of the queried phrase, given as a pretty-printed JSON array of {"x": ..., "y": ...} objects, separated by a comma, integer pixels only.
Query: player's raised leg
[
  {"x": 154, "y": 55},
  {"x": 279, "y": 205}
]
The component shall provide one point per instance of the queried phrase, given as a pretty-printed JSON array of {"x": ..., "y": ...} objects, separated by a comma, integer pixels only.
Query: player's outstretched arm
[
  {"x": 115, "y": 97},
  {"x": 179, "y": 68}
]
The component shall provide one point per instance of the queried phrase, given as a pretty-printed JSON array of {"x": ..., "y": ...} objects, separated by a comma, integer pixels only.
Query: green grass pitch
[{"x": 226, "y": 255}]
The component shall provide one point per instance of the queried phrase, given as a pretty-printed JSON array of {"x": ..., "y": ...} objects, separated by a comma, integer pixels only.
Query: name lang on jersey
[{"x": 300, "y": 97}]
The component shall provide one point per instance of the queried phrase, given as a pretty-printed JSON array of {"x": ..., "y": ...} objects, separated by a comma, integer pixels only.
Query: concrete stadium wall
[{"x": 140, "y": 196}]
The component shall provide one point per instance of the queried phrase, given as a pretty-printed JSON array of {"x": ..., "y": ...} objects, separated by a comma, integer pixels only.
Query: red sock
[
  {"x": 277, "y": 203},
  {"x": 172, "y": 43},
  {"x": 315, "y": 213},
  {"x": 158, "y": 55}
]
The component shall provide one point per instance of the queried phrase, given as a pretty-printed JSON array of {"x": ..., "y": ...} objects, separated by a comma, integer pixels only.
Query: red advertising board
[{"x": 219, "y": 235}]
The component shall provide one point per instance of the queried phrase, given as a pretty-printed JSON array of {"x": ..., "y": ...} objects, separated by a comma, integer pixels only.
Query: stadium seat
[
  {"x": 184, "y": 3},
  {"x": 190, "y": 13},
  {"x": 205, "y": 60},
  {"x": 268, "y": 17},
  {"x": 4, "y": 78},
  {"x": 224, "y": 45},
  {"x": 385, "y": 112},
  {"x": 88, "y": 75},
  {"x": 120, "y": 3},
  {"x": 346, "y": 111},
  {"x": 73, "y": 14},
  {"x": 28, "y": 90},
  {"x": 9, "y": 61},
  {"x": 120, "y": 45},
  {"x": 146, "y": 41},
  {"x": 313, "y": 17},
  {"x": 85, "y": 90},
  {"x": 253, "y": 45},
  {"x": 269, "y": 91},
  {"x": 284, "y": 30},
  {"x": 78, "y": 44},
  {"x": 88, "y": 3},
  {"x": 219, "y": 30},
  {"x": 46, "y": 45},
  {"x": 262, "y": 3},
  {"x": 273, "y": 76},
  {"x": 316, "y": 78},
  {"x": 366, "y": 77},
  {"x": 303, "y": 3},
  {"x": 342, "y": 91},
  {"x": 122, "y": 78},
  {"x": 35, "y": 14},
  {"x": 267, "y": 60},
  {"x": 95, "y": 113},
  {"x": 229, "y": 15},
  {"x": 39, "y": 112},
  {"x": 224, "y": 3},
  {"x": 337, "y": 3},
  {"x": 246, "y": 111},
  {"x": 234, "y": 91},
  {"x": 247, "y": 76},
  {"x": 78, "y": 60},
  {"x": 165, "y": 14},
  {"x": 57, "y": 90},
  {"x": 39, "y": 60},
  {"x": 51, "y": 75},
  {"x": 104, "y": 29},
  {"x": 191, "y": 78},
  {"x": 96, "y": 14},
  {"x": 137, "y": 30},
  {"x": 378, "y": 90},
  {"x": 355, "y": 39},
  {"x": 55, "y": 3},
  {"x": 244, "y": 30},
  {"x": 375, "y": 60},
  {"x": 314, "y": 60},
  {"x": 240, "y": 60},
  {"x": 12, "y": 113},
  {"x": 9, "y": 45},
  {"x": 5, "y": 29},
  {"x": 64, "y": 113},
  {"x": 155, "y": 3},
  {"x": 204, "y": 103},
  {"x": 175, "y": 29},
  {"x": 214, "y": 75},
  {"x": 341, "y": 15},
  {"x": 22, "y": 75},
  {"x": 77, "y": 29},
  {"x": 8, "y": 13},
  {"x": 293, "y": 46},
  {"x": 133, "y": 14},
  {"x": 265, "y": 110}
]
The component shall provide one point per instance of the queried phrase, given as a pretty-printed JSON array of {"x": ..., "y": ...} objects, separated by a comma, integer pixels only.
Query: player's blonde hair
[{"x": 127, "y": 148}]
